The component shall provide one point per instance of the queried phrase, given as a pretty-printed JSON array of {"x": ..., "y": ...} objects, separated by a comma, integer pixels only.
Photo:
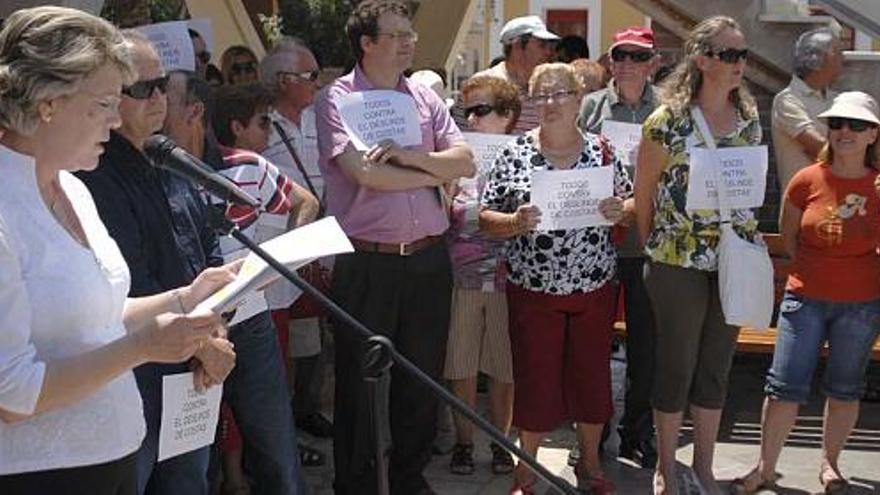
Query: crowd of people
[{"x": 104, "y": 258}]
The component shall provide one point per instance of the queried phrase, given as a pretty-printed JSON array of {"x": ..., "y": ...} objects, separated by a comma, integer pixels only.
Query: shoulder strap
[
  {"x": 302, "y": 170},
  {"x": 709, "y": 139}
]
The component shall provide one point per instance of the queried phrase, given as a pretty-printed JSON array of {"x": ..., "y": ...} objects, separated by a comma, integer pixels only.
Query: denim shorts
[{"x": 804, "y": 326}]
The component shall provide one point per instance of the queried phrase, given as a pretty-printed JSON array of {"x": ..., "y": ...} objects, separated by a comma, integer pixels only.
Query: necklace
[{"x": 64, "y": 214}]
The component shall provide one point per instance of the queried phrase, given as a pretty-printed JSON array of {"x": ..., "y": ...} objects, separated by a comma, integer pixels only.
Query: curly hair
[
  {"x": 681, "y": 88},
  {"x": 364, "y": 21},
  {"x": 46, "y": 53},
  {"x": 505, "y": 96}
]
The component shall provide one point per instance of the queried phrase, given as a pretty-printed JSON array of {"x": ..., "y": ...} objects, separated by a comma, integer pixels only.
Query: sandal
[
  {"x": 833, "y": 486},
  {"x": 310, "y": 456},
  {"x": 462, "y": 460},
  {"x": 752, "y": 483},
  {"x": 593, "y": 484},
  {"x": 502, "y": 461}
]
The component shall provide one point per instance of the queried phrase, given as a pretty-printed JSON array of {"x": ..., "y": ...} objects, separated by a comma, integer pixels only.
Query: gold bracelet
[{"x": 180, "y": 301}]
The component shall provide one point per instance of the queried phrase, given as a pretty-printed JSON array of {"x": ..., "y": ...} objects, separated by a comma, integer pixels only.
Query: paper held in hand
[
  {"x": 189, "y": 418},
  {"x": 743, "y": 171},
  {"x": 372, "y": 116},
  {"x": 625, "y": 137},
  {"x": 293, "y": 249},
  {"x": 485, "y": 148},
  {"x": 569, "y": 199}
]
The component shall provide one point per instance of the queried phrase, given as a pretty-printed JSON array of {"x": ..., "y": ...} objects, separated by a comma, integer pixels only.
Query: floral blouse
[
  {"x": 558, "y": 262},
  {"x": 689, "y": 238}
]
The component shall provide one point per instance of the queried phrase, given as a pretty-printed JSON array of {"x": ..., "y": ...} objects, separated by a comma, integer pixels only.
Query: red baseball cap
[{"x": 634, "y": 35}]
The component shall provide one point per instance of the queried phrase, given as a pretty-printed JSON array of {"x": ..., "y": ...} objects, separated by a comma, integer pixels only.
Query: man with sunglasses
[
  {"x": 160, "y": 224},
  {"x": 631, "y": 98},
  {"x": 398, "y": 281},
  {"x": 527, "y": 43},
  {"x": 798, "y": 134}
]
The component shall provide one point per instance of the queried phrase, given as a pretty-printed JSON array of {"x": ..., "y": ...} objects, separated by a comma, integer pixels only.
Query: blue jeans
[
  {"x": 803, "y": 328},
  {"x": 186, "y": 474},
  {"x": 257, "y": 392}
]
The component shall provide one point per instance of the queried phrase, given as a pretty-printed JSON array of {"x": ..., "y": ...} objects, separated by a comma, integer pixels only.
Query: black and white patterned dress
[{"x": 558, "y": 262}]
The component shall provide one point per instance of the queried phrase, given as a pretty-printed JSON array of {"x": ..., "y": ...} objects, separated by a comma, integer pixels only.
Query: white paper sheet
[
  {"x": 372, "y": 116},
  {"x": 569, "y": 199},
  {"x": 189, "y": 418},
  {"x": 485, "y": 148},
  {"x": 744, "y": 172},
  {"x": 171, "y": 40},
  {"x": 625, "y": 137}
]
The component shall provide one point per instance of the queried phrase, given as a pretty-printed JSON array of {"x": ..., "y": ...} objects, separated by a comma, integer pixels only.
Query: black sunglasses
[
  {"x": 142, "y": 90},
  {"x": 640, "y": 56},
  {"x": 729, "y": 55},
  {"x": 243, "y": 68},
  {"x": 480, "y": 110},
  {"x": 855, "y": 125},
  {"x": 309, "y": 75}
]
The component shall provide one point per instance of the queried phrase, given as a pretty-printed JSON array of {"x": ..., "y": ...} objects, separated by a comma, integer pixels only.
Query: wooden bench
[{"x": 754, "y": 341}]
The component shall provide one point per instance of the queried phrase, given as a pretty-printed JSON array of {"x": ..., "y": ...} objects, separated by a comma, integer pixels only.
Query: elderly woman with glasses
[
  {"x": 560, "y": 283},
  {"x": 830, "y": 230},
  {"x": 239, "y": 65},
  {"x": 71, "y": 417},
  {"x": 478, "y": 336},
  {"x": 695, "y": 346}
]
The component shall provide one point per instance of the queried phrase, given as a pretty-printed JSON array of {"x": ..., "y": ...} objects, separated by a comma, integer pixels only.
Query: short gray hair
[
  {"x": 277, "y": 60},
  {"x": 812, "y": 49},
  {"x": 46, "y": 52}
]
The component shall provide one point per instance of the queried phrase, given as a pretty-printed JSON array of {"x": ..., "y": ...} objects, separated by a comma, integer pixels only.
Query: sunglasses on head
[
  {"x": 638, "y": 56},
  {"x": 142, "y": 90},
  {"x": 309, "y": 75},
  {"x": 855, "y": 125},
  {"x": 480, "y": 110},
  {"x": 729, "y": 55},
  {"x": 243, "y": 68}
]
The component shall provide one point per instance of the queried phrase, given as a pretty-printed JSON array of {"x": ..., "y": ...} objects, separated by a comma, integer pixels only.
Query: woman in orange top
[{"x": 831, "y": 230}]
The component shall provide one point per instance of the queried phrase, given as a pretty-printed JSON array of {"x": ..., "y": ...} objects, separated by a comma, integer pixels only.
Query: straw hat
[{"x": 853, "y": 105}]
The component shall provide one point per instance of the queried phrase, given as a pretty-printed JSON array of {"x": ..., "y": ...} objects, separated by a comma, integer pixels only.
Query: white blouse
[{"x": 58, "y": 299}]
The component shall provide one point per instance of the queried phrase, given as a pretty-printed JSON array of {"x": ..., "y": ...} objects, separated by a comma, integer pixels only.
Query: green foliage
[{"x": 321, "y": 24}]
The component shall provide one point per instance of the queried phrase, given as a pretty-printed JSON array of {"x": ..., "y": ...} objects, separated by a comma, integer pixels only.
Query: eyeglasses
[
  {"x": 309, "y": 75},
  {"x": 204, "y": 57},
  {"x": 405, "y": 36},
  {"x": 243, "y": 68},
  {"x": 855, "y": 125},
  {"x": 639, "y": 56},
  {"x": 143, "y": 90},
  {"x": 480, "y": 110},
  {"x": 729, "y": 55},
  {"x": 556, "y": 96}
]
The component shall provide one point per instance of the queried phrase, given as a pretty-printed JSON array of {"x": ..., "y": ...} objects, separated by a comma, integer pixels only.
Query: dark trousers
[
  {"x": 406, "y": 299},
  {"x": 111, "y": 478},
  {"x": 637, "y": 423}
]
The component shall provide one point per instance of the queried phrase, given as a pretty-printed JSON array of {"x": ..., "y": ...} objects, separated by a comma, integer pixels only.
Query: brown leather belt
[{"x": 400, "y": 249}]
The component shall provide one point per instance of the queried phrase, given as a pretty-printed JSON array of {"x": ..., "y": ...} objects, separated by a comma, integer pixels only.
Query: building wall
[{"x": 617, "y": 15}]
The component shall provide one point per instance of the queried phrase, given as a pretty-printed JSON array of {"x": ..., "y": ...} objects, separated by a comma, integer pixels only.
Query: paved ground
[{"x": 736, "y": 452}]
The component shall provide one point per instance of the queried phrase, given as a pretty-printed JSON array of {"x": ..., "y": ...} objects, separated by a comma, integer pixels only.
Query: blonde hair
[
  {"x": 591, "y": 74},
  {"x": 680, "y": 89},
  {"x": 46, "y": 52},
  {"x": 559, "y": 71}
]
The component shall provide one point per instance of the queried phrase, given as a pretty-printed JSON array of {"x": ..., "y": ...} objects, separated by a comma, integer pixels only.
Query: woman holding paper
[
  {"x": 560, "y": 288},
  {"x": 830, "y": 229},
  {"x": 70, "y": 412},
  {"x": 694, "y": 344}
]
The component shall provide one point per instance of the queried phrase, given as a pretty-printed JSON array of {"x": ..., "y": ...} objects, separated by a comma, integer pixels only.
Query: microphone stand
[{"x": 378, "y": 358}]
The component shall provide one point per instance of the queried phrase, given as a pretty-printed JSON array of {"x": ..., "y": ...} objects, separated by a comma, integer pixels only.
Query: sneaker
[
  {"x": 462, "y": 461},
  {"x": 502, "y": 461}
]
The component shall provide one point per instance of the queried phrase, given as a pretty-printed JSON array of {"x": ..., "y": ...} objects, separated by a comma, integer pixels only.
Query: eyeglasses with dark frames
[
  {"x": 143, "y": 90},
  {"x": 480, "y": 110},
  {"x": 729, "y": 55}
]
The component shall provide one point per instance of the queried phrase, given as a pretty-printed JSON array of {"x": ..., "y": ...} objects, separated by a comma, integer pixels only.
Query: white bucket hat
[{"x": 853, "y": 105}]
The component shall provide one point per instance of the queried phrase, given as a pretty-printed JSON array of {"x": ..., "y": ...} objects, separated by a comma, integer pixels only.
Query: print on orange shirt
[{"x": 830, "y": 229}]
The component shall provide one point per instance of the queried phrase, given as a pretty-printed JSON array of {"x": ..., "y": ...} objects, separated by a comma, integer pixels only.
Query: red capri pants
[{"x": 561, "y": 347}]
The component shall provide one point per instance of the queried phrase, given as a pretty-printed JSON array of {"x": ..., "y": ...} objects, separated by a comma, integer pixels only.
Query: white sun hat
[{"x": 853, "y": 105}]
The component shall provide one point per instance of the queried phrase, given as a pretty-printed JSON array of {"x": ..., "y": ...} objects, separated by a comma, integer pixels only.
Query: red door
[{"x": 568, "y": 21}]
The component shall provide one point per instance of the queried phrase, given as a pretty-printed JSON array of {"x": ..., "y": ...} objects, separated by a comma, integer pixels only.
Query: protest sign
[
  {"x": 485, "y": 148},
  {"x": 189, "y": 418},
  {"x": 373, "y": 116},
  {"x": 171, "y": 40},
  {"x": 203, "y": 26},
  {"x": 569, "y": 199},
  {"x": 625, "y": 137},
  {"x": 743, "y": 171}
]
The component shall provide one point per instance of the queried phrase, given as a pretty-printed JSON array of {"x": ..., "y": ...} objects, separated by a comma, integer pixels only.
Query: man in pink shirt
[{"x": 398, "y": 281}]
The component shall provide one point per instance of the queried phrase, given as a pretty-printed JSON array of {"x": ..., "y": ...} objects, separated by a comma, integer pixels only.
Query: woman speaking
[{"x": 70, "y": 413}]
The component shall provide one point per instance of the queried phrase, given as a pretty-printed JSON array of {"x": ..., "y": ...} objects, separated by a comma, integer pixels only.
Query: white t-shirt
[
  {"x": 304, "y": 138},
  {"x": 59, "y": 299}
]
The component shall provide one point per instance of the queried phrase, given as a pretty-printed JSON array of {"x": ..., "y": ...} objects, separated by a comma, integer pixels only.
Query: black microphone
[{"x": 164, "y": 153}]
